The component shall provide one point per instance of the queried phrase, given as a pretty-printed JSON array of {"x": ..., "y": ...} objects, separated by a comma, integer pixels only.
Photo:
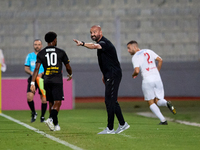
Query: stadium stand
[
  {"x": 153, "y": 23},
  {"x": 169, "y": 27}
]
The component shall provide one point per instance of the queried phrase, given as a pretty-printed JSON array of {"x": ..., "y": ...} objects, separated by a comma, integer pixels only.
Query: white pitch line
[
  {"x": 42, "y": 133},
  {"x": 151, "y": 115},
  {"x": 128, "y": 136}
]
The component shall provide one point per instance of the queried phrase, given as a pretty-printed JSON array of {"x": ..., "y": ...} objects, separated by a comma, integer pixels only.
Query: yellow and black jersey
[{"x": 52, "y": 58}]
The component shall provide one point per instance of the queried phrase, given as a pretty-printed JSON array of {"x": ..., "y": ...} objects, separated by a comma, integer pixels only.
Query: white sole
[
  {"x": 124, "y": 129},
  {"x": 49, "y": 126}
]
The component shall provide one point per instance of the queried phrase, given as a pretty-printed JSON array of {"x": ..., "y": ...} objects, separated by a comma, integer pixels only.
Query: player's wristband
[
  {"x": 83, "y": 43},
  {"x": 33, "y": 83},
  {"x": 69, "y": 75}
]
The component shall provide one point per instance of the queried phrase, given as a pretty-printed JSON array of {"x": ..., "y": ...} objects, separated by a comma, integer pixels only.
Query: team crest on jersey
[{"x": 32, "y": 63}]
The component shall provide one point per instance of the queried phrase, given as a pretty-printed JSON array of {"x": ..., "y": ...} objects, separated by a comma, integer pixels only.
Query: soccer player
[
  {"x": 52, "y": 57},
  {"x": 112, "y": 74},
  {"x": 29, "y": 68},
  {"x": 2, "y": 61},
  {"x": 152, "y": 86}
]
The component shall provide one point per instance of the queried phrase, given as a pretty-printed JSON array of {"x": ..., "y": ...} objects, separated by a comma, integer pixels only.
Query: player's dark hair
[
  {"x": 50, "y": 36},
  {"x": 37, "y": 40},
  {"x": 132, "y": 42}
]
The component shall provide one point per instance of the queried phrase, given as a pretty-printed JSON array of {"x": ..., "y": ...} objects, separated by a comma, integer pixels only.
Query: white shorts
[{"x": 153, "y": 90}]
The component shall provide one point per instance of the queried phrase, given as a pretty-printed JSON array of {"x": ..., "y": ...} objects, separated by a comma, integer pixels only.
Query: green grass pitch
[{"x": 81, "y": 125}]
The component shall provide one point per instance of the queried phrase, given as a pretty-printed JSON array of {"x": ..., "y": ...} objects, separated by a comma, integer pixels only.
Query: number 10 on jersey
[{"x": 51, "y": 59}]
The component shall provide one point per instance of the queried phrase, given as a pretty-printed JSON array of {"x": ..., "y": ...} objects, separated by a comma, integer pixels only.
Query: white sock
[
  {"x": 162, "y": 102},
  {"x": 154, "y": 108}
]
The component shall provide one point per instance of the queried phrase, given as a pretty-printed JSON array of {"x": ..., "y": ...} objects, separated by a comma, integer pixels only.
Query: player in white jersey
[
  {"x": 2, "y": 61},
  {"x": 152, "y": 86}
]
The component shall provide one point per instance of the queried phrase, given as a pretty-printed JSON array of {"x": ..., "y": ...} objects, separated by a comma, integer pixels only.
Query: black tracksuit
[{"x": 110, "y": 67}]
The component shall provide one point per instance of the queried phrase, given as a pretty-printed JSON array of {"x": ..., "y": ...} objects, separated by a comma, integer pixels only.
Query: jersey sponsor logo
[
  {"x": 56, "y": 68},
  {"x": 51, "y": 70},
  {"x": 150, "y": 68},
  {"x": 50, "y": 50}
]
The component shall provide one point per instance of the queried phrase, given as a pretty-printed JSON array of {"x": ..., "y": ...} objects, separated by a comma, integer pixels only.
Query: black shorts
[
  {"x": 29, "y": 85},
  {"x": 54, "y": 91}
]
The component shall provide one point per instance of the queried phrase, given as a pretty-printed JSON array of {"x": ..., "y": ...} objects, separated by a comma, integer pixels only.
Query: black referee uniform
[{"x": 110, "y": 67}]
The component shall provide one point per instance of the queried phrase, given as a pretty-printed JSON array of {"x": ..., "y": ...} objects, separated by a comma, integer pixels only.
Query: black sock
[
  {"x": 43, "y": 109},
  {"x": 54, "y": 115},
  {"x": 31, "y": 106}
]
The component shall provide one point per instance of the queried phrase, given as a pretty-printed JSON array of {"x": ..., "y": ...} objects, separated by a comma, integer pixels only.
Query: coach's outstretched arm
[{"x": 87, "y": 45}]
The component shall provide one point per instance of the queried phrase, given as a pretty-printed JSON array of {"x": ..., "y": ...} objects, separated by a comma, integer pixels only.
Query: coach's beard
[{"x": 94, "y": 38}]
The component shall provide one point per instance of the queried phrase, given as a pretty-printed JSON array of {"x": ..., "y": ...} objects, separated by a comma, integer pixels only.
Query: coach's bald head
[{"x": 96, "y": 33}]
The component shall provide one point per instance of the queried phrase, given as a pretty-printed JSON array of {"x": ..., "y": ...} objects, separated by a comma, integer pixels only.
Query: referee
[
  {"x": 112, "y": 74},
  {"x": 29, "y": 67}
]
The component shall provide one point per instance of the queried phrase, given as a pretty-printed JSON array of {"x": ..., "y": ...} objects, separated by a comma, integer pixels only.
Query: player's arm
[
  {"x": 27, "y": 70},
  {"x": 69, "y": 71},
  {"x": 159, "y": 65},
  {"x": 103, "y": 79},
  {"x": 136, "y": 72},
  {"x": 87, "y": 45},
  {"x": 35, "y": 73}
]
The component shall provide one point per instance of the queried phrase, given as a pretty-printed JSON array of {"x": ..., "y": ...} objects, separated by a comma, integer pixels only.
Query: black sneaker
[
  {"x": 163, "y": 123},
  {"x": 34, "y": 116},
  {"x": 171, "y": 107},
  {"x": 42, "y": 119}
]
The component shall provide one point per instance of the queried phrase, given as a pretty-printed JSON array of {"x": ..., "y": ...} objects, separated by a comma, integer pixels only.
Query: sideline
[
  {"x": 42, "y": 133},
  {"x": 151, "y": 115}
]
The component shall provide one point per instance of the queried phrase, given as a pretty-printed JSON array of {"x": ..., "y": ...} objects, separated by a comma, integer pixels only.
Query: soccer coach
[{"x": 112, "y": 74}]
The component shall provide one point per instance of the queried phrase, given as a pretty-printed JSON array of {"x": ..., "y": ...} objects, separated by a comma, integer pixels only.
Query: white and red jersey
[{"x": 145, "y": 60}]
